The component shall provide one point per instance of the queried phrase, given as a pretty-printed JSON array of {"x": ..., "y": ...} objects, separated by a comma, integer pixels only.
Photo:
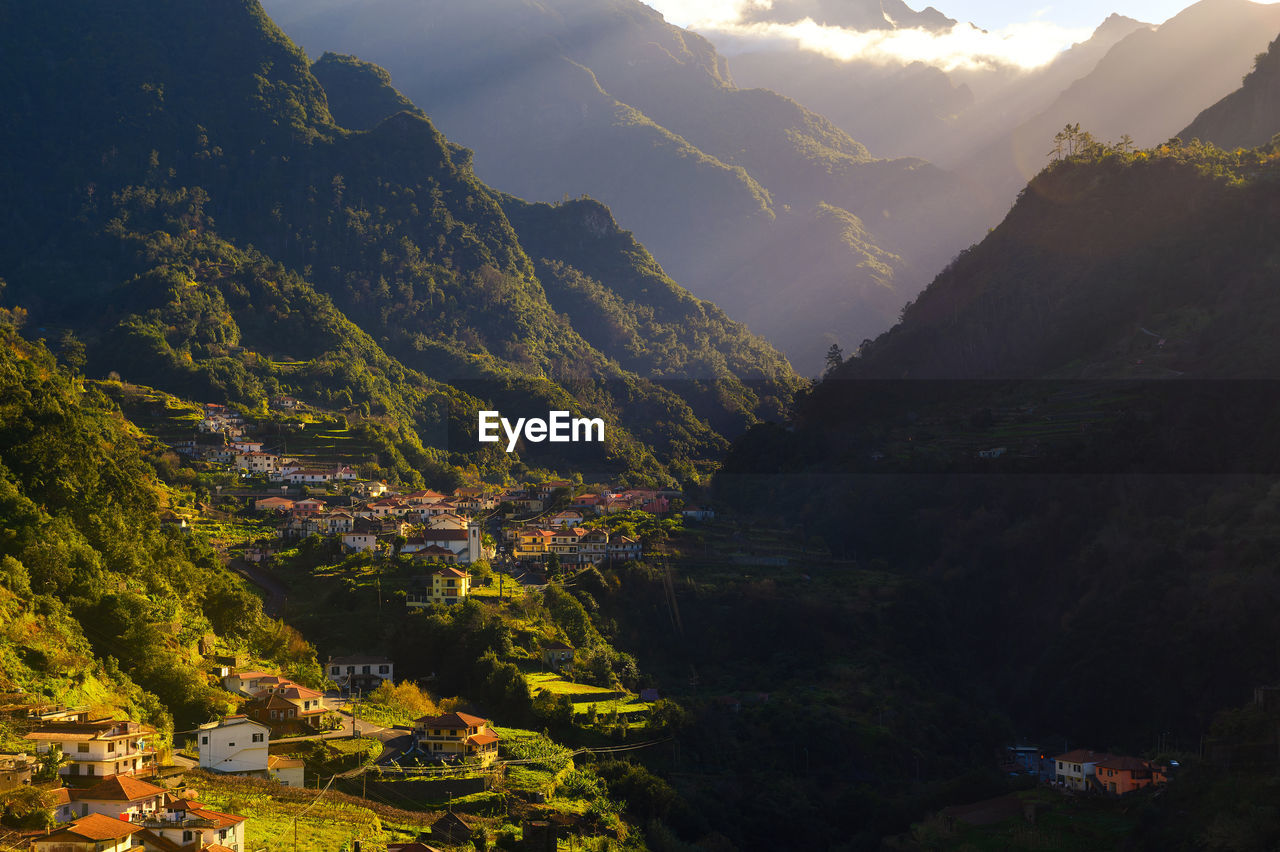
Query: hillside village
[
  {"x": 115, "y": 785},
  {"x": 549, "y": 521}
]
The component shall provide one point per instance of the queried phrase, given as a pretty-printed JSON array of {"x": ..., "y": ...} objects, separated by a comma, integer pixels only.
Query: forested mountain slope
[
  {"x": 1067, "y": 437},
  {"x": 166, "y": 150},
  {"x": 1249, "y": 116},
  {"x": 571, "y": 97},
  {"x": 99, "y": 605}
]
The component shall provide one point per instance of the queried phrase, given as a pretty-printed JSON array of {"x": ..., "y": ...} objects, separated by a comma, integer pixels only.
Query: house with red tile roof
[
  {"x": 1121, "y": 775},
  {"x": 92, "y": 833},
  {"x": 187, "y": 824},
  {"x": 286, "y": 703},
  {"x": 457, "y": 736},
  {"x": 119, "y": 797},
  {"x": 98, "y": 749},
  {"x": 1074, "y": 769},
  {"x": 245, "y": 683}
]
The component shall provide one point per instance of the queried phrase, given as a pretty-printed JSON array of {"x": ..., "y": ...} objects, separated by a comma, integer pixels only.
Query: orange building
[{"x": 1122, "y": 775}]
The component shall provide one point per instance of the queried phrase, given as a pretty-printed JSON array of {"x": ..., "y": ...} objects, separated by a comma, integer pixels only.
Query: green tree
[{"x": 835, "y": 357}]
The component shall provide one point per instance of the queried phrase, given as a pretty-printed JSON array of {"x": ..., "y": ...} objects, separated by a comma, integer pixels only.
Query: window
[
  {"x": 111, "y": 747},
  {"x": 91, "y": 770},
  {"x": 75, "y": 769},
  {"x": 384, "y": 669},
  {"x": 82, "y": 748},
  {"x": 335, "y": 670},
  {"x": 364, "y": 670},
  {"x": 204, "y": 741},
  {"x": 187, "y": 837},
  {"x": 231, "y": 745},
  {"x": 351, "y": 669},
  {"x": 257, "y": 738}
]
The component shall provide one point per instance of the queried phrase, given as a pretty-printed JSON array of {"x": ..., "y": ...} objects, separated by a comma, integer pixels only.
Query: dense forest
[
  {"x": 1057, "y": 438},
  {"x": 102, "y": 606},
  {"x": 260, "y": 232}
]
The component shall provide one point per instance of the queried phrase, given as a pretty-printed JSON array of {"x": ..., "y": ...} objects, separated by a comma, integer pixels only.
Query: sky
[{"x": 1022, "y": 35}]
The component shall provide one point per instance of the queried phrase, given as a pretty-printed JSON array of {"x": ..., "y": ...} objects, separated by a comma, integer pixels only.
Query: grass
[
  {"x": 329, "y": 824},
  {"x": 224, "y": 535},
  {"x": 557, "y": 685}
]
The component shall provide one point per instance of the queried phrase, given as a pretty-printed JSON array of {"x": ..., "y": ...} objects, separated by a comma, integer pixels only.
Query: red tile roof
[
  {"x": 220, "y": 819},
  {"x": 452, "y": 720},
  {"x": 451, "y": 572},
  {"x": 120, "y": 788},
  {"x": 1084, "y": 755},
  {"x": 93, "y": 827},
  {"x": 1126, "y": 764}
]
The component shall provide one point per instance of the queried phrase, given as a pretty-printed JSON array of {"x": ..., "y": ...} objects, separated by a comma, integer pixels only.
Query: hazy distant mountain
[
  {"x": 1152, "y": 82},
  {"x": 851, "y": 14},
  {"x": 605, "y": 98},
  {"x": 1249, "y": 116},
  {"x": 895, "y": 110},
  {"x": 916, "y": 109},
  {"x": 1006, "y": 100}
]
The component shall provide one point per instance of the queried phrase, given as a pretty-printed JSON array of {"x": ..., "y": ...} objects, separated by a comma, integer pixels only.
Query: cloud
[{"x": 1022, "y": 45}]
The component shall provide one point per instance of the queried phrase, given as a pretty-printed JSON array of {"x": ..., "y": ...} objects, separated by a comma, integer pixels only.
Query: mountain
[
  {"x": 895, "y": 109},
  {"x": 1067, "y": 439},
  {"x": 101, "y": 605},
  {"x": 607, "y": 99},
  {"x": 206, "y": 223},
  {"x": 859, "y": 15},
  {"x": 1248, "y": 117},
  {"x": 1006, "y": 100},
  {"x": 1150, "y": 84}
]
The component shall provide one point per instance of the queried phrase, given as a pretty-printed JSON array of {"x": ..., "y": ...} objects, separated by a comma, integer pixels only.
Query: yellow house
[
  {"x": 449, "y": 585},
  {"x": 532, "y": 543},
  {"x": 457, "y": 736}
]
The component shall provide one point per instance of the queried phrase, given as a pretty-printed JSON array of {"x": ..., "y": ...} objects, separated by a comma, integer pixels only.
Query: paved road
[{"x": 274, "y": 604}]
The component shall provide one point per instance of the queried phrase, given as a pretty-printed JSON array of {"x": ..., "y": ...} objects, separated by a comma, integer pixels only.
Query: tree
[
  {"x": 72, "y": 352},
  {"x": 835, "y": 357},
  {"x": 49, "y": 764}
]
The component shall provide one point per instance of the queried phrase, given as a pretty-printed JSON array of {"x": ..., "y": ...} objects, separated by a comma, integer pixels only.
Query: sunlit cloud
[
  {"x": 706, "y": 13},
  {"x": 1030, "y": 44}
]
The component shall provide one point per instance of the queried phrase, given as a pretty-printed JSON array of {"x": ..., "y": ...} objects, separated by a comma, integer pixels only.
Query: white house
[
  {"x": 256, "y": 461},
  {"x": 359, "y": 671},
  {"x": 118, "y": 797},
  {"x": 98, "y": 749},
  {"x": 466, "y": 544},
  {"x": 245, "y": 683},
  {"x": 360, "y": 541},
  {"x": 234, "y": 745},
  {"x": 1074, "y": 769},
  {"x": 184, "y": 823}
]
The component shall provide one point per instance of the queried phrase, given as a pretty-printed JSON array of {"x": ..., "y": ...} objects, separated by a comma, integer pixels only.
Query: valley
[{"x": 885, "y": 519}]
